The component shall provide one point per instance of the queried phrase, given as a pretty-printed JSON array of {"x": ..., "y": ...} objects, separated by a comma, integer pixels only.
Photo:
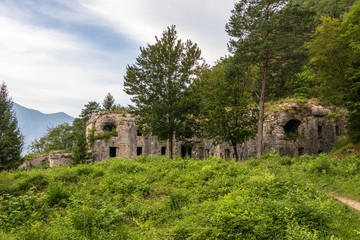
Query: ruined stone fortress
[{"x": 294, "y": 129}]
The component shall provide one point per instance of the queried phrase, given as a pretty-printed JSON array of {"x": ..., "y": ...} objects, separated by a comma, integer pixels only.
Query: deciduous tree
[
  {"x": 56, "y": 138},
  {"x": 228, "y": 113},
  {"x": 159, "y": 81},
  {"x": 335, "y": 56}
]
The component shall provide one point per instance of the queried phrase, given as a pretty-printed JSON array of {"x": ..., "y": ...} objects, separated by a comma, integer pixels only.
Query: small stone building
[{"x": 292, "y": 130}]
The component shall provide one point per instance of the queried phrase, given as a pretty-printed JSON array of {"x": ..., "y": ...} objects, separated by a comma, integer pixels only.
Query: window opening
[
  {"x": 319, "y": 131},
  {"x": 112, "y": 152},
  {"x": 138, "y": 133},
  {"x": 227, "y": 154},
  {"x": 109, "y": 127},
  {"x": 138, "y": 151},
  {"x": 163, "y": 150},
  {"x": 291, "y": 128},
  {"x": 301, "y": 151},
  {"x": 186, "y": 151},
  {"x": 337, "y": 130}
]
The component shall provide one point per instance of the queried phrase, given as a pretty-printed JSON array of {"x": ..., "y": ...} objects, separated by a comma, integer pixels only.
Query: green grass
[{"x": 158, "y": 198}]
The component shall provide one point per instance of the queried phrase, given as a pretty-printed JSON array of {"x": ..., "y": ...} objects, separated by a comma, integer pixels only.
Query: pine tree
[
  {"x": 159, "y": 83},
  {"x": 268, "y": 34},
  {"x": 90, "y": 108},
  {"x": 108, "y": 103},
  {"x": 11, "y": 139}
]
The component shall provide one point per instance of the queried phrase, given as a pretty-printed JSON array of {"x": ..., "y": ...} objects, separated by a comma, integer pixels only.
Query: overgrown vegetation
[{"x": 159, "y": 198}]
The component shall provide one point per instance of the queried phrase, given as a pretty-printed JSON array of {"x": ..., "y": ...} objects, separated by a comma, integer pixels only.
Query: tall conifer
[{"x": 11, "y": 139}]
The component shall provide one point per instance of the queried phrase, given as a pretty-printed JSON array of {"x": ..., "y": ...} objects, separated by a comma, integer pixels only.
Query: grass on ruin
[{"x": 158, "y": 198}]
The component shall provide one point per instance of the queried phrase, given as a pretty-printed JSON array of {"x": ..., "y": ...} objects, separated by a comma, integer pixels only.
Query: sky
[{"x": 57, "y": 55}]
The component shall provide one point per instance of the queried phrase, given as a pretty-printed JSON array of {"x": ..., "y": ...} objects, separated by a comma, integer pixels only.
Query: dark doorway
[
  {"x": 163, "y": 150},
  {"x": 112, "y": 151},
  {"x": 227, "y": 154},
  {"x": 186, "y": 151},
  {"x": 291, "y": 128},
  {"x": 138, "y": 133},
  {"x": 301, "y": 151},
  {"x": 138, "y": 151},
  {"x": 319, "y": 131}
]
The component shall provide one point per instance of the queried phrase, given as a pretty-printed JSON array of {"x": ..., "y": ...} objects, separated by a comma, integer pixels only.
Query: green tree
[
  {"x": 11, "y": 139},
  {"x": 56, "y": 138},
  {"x": 269, "y": 34},
  {"x": 159, "y": 82},
  {"x": 228, "y": 113},
  {"x": 335, "y": 56},
  {"x": 89, "y": 109},
  {"x": 108, "y": 103},
  {"x": 80, "y": 153},
  {"x": 328, "y": 8}
]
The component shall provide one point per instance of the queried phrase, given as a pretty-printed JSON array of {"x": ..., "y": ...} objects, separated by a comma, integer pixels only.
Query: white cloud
[
  {"x": 201, "y": 21},
  {"x": 44, "y": 68},
  {"x": 49, "y": 68}
]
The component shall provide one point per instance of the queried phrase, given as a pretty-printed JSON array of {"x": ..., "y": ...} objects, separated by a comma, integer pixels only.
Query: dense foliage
[
  {"x": 159, "y": 83},
  {"x": 56, "y": 138},
  {"x": 227, "y": 113},
  {"x": 11, "y": 140},
  {"x": 270, "y": 35},
  {"x": 335, "y": 56},
  {"x": 160, "y": 198}
]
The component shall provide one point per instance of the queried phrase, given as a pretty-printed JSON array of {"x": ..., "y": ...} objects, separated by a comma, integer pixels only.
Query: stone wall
[
  {"x": 35, "y": 162},
  {"x": 292, "y": 130},
  {"x": 54, "y": 159},
  {"x": 58, "y": 158}
]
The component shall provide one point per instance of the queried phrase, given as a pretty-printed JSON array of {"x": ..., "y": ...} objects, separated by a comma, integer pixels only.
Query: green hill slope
[{"x": 158, "y": 198}]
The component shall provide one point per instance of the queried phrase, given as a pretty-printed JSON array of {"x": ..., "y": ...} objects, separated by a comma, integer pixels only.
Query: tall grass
[{"x": 159, "y": 198}]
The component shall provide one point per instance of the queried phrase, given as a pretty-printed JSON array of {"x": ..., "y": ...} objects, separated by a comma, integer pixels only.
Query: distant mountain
[{"x": 33, "y": 124}]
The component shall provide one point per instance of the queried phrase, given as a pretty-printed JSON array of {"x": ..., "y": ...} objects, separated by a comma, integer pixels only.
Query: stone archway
[{"x": 291, "y": 128}]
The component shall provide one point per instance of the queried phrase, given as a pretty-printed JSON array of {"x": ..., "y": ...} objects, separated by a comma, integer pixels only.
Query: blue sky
[{"x": 57, "y": 55}]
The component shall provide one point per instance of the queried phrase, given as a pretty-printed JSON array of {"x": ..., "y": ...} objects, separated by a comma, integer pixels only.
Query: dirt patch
[{"x": 351, "y": 203}]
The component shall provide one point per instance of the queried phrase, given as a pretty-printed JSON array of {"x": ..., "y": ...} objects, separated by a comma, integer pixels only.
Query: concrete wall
[
  {"x": 58, "y": 158},
  {"x": 316, "y": 133}
]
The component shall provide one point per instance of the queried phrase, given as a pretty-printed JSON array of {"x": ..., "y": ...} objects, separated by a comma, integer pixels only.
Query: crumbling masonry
[{"x": 292, "y": 130}]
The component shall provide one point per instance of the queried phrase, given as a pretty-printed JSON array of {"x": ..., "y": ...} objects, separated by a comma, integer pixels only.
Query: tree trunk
[
  {"x": 259, "y": 150},
  {"x": 235, "y": 152},
  {"x": 171, "y": 134}
]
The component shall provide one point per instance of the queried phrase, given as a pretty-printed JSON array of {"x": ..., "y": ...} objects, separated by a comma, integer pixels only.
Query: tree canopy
[
  {"x": 269, "y": 35},
  {"x": 228, "y": 113},
  {"x": 158, "y": 83},
  {"x": 335, "y": 53}
]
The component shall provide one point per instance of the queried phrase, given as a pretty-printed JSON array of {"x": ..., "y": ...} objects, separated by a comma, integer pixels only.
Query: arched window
[
  {"x": 291, "y": 128},
  {"x": 109, "y": 126}
]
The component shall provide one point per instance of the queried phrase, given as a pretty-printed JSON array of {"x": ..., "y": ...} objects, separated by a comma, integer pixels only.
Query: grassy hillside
[{"x": 158, "y": 198}]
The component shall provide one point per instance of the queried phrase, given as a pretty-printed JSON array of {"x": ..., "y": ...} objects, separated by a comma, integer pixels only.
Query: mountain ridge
[{"x": 33, "y": 123}]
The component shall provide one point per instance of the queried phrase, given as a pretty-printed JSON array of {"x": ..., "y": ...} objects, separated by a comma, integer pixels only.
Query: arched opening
[
  {"x": 291, "y": 128},
  {"x": 109, "y": 126}
]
